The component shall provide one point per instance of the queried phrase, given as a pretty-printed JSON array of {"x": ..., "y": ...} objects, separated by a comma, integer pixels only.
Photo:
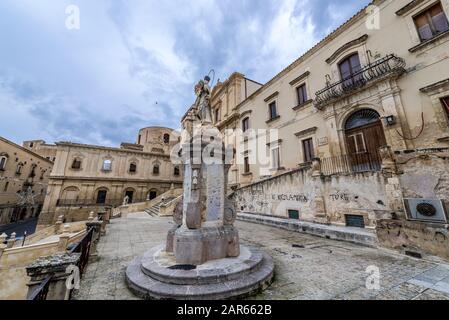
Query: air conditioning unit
[{"x": 427, "y": 210}]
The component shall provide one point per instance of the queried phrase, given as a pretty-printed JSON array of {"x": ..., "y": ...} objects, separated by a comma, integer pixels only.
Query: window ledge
[
  {"x": 303, "y": 105},
  {"x": 426, "y": 43},
  {"x": 273, "y": 119},
  {"x": 443, "y": 139},
  {"x": 247, "y": 174}
]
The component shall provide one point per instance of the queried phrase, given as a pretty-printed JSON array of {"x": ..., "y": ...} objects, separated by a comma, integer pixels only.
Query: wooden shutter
[
  {"x": 445, "y": 102},
  {"x": 309, "y": 153}
]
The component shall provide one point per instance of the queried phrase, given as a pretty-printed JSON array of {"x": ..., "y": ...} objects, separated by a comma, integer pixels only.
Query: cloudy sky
[{"x": 133, "y": 63}]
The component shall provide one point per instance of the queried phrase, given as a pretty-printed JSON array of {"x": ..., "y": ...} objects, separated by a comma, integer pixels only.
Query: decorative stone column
[
  {"x": 316, "y": 167},
  {"x": 64, "y": 239},
  {"x": 58, "y": 224},
  {"x": 55, "y": 265},
  {"x": 102, "y": 217}
]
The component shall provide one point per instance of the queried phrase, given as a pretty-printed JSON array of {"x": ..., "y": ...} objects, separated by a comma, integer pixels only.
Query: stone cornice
[
  {"x": 306, "y": 132},
  {"x": 435, "y": 86},
  {"x": 272, "y": 96},
  {"x": 246, "y": 113},
  {"x": 345, "y": 47},
  {"x": 408, "y": 7},
  {"x": 117, "y": 150},
  {"x": 301, "y": 77},
  {"x": 54, "y": 179}
]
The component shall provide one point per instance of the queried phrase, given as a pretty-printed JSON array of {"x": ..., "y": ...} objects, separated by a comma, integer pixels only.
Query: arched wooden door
[{"x": 364, "y": 136}]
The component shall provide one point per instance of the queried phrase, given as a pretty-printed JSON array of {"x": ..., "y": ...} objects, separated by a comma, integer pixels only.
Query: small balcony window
[
  {"x": 272, "y": 109},
  {"x": 217, "y": 115},
  {"x": 19, "y": 169},
  {"x": 431, "y": 22},
  {"x": 245, "y": 124},
  {"x": 350, "y": 70},
  {"x": 107, "y": 165},
  {"x": 132, "y": 168},
  {"x": 301, "y": 91},
  {"x": 177, "y": 172},
  {"x": 76, "y": 164},
  {"x": 156, "y": 169},
  {"x": 3, "y": 160},
  {"x": 247, "y": 168}
]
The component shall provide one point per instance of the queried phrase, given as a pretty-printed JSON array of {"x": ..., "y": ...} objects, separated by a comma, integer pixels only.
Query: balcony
[{"x": 388, "y": 66}]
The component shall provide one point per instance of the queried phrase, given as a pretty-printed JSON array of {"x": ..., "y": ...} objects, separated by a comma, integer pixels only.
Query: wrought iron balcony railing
[{"x": 387, "y": 66}]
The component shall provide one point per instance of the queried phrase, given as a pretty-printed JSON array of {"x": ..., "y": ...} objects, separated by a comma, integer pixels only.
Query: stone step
[
  {"x": 148, "y": 288},
  {"x": 360, "y": 236},
  {"x": 251, "y": 259}
]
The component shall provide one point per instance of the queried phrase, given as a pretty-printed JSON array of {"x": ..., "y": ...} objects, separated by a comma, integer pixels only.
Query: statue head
[{"x": 207, "y": 79}]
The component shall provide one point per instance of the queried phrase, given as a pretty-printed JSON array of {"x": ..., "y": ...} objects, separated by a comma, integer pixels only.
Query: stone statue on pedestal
[
  {"x": 202, "y": 257},
  {"x": 202, "y": 103}
]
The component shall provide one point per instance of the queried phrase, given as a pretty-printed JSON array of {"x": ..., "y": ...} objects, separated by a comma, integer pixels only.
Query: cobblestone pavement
[{"x": 306, "y": 267}]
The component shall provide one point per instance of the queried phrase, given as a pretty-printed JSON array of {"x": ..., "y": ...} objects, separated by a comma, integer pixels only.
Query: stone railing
[
  {"x": 139, "y": 207},
  {"x": 15, "y": 260},
  {"x": 166, "y": 209}
]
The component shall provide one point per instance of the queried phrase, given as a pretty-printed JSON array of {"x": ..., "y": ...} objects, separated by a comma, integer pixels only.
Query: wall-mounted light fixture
[{"x": 391, "y": 120}]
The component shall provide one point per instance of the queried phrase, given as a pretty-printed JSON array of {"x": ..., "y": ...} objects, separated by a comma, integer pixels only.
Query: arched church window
[
  {"x": 166, "y": 138},
  {"x": 177, "y": 172},
  {"x": 156, "y": 169},
  {"x": 132, "y": 168}
]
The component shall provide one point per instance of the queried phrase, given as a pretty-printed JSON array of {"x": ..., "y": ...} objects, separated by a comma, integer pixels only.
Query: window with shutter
[
  {"x": 431, "y": 22},
  {"x": 302, "y": 94},
  {"x": 445, "y": 102},
  {"x": 308, "y": 150}
]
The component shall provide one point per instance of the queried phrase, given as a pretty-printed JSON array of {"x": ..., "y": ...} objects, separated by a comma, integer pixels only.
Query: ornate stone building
[
  {"x": 23, "y": 182},
  {"x": 355, "y": 132},
  {"x": 87, "y": 177},
  {"x": 48, "y": 151}
]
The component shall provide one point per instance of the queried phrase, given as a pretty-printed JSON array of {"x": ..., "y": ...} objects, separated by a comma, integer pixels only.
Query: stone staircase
[{"x": 155, "y": 210}]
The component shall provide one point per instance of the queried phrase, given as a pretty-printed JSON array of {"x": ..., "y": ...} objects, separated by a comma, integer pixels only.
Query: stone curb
[{"x": 361, "y": 237}]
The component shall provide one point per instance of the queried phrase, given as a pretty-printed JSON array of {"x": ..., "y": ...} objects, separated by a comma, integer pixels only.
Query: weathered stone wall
[
  {"x": 425, "y": 174},
  {"x": 414, "y": 237},
  {"x": 357, "y": 194},
  {"x": 422, "y": 173}
]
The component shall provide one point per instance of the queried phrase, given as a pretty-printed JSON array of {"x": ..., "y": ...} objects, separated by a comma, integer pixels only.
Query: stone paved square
[{"x": 306, "y": 267}]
